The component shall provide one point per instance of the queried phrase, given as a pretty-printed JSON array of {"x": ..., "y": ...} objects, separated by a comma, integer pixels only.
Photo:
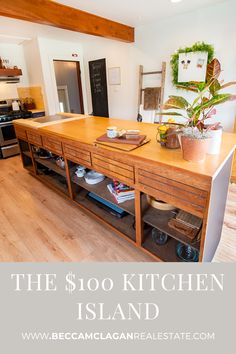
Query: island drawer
[
  {"x": 52, "y": 144},
  {"x": 113, "y": 168},
  {"x": 20, "y": 133},
  {"x": 77, "y": 154},
  {"x": 34, "y": 138},
  {"x": 182, "y": 196}
]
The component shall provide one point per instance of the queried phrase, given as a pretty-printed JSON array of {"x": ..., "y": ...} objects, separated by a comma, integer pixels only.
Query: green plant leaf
[
  {"x": 214, "y": 101},
  {"x": 228, "y": 84},
  {"x": 176, "y": 102},
  {"x": 215, "y": 87},
  {"x": 205, "y": 99},
  {"x": 213, "y": 70},
  {"x": 207, "y": 86},
  {"x": 169, "y": 114},
  {"x": 183, "y": 103},
  {"x": 200, "y": 86},
  {"x": 218, "y": 99},
  {"x": 196, "y": 118},
  {"x": 187, "y": 88}
]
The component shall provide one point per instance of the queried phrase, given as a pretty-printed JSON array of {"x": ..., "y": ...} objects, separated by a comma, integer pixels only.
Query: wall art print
[{"x": 192, "y": 66}]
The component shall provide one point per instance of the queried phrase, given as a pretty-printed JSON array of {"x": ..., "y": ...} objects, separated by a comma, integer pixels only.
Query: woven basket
[{"x": 158, "y": 204}]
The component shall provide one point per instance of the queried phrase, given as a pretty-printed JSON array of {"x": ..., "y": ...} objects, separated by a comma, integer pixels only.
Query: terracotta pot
[
  {"x": 194, "y": 149},
  {"x": 172, "y": 140}
]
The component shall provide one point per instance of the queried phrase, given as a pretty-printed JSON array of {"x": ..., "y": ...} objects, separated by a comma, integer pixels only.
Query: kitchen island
[{"x": 197, "y": 188}]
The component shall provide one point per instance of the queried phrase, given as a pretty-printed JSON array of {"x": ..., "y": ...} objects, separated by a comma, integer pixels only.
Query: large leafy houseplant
[
  {"x": 208, "y": 96},
  {"x": 203, "y": 106}
]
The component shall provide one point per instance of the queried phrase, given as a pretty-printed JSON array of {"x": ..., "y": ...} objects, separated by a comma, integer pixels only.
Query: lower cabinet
[
  {"x": 233, "y": 178},
  {"x": 155, "y": 230}
]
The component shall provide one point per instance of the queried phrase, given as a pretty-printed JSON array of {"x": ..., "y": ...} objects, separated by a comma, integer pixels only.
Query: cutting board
[
  {"x": 104, "y": 138},
  {"x": 120, "y": 146}
]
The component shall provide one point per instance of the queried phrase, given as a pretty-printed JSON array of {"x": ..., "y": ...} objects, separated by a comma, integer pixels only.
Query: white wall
[
  {"x": 50, "y": 43},
  {"x": 154, "y": 43},
  {"x": 15, "y": 54},
  {"x": 51, "y": 49},
  {"x": 215, "y": 25},
  {"x": 34, "y": 66},
  {"x": 121, "y": 98},
  {"x": 33, "y": 62}
]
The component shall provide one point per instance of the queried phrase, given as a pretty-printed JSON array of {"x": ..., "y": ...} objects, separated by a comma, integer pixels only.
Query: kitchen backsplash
[
  {"x": 8, "y": 91},
  {"x": 35, "y": 92}
]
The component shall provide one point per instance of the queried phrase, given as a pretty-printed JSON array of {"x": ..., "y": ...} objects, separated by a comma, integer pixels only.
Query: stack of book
[
  {"x": 120, "y": 191},
  {"x": 132, "y": 134}
]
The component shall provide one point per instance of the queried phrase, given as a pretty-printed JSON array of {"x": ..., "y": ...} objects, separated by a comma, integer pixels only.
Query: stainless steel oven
[
  {"x": 7, "y": 134},
  {"x": 8, "y": 141}
]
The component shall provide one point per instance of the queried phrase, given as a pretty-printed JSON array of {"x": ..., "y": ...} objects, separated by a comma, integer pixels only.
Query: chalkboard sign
[{"x": 98, "y": 84}]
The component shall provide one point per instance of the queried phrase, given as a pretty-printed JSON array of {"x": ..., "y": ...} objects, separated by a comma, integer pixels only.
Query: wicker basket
[{"x": 158, "y": 204}]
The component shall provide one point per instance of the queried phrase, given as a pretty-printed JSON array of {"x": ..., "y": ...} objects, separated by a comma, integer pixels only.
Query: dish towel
[{"x": 152, "y": 96}]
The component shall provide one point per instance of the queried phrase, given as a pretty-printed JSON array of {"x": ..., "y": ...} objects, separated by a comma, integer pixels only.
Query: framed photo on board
[{"x": 192, "y": 66}]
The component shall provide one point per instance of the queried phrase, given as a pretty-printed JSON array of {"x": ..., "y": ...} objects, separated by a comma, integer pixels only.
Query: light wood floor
[{"x": 37, "y": 225}]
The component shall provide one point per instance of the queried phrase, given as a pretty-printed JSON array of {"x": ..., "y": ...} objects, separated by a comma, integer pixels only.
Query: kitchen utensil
[
  {"x": 186, "y": 253},
  {"x": 159, "y": 237},
  {"x": 80, "y": 171},
  {"x": 93, "y": 177},
  {"x": 60, "y": 162}
]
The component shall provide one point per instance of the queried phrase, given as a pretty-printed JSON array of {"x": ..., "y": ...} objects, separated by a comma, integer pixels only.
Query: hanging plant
[{"x": 197, "y": 47}]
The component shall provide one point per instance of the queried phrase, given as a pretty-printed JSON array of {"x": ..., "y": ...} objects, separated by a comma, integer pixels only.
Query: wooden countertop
[
  {"x": 35, "y": 124},
  {"x": 86, "y": 130},
  {"x": 37, "y": 110}
]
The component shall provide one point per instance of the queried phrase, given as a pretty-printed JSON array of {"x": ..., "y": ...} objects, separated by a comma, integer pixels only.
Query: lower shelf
[
  {"x": 101, "y": 190},
  {"x": 125, "y": 225},
  {"x": 51, "y": 164},
  {"x": 29, "y": 168},
  {"x": 159, "y": 219},
  {"x": 27, "y": 161},
  {"x": 55, "y": 181},
  {"x": 26, "y": 153},
  {"x": 166, "y": 253}
]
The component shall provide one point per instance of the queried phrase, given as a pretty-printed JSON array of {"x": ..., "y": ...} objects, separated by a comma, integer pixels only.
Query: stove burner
[{"x": 8, "y": 117}]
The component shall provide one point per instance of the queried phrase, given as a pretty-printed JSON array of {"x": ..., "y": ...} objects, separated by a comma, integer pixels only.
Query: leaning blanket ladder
[{"x": 162, "y": 72}]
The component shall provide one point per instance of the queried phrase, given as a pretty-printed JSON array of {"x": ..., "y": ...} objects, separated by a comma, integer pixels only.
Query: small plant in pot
[{"x": 196, "y": 135}]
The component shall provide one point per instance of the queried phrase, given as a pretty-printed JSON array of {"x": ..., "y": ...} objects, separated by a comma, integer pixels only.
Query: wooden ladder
[{"x": 161, "y": 72}]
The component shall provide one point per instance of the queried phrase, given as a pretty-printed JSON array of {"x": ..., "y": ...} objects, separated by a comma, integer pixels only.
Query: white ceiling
[{"x": 137, "y": 12}]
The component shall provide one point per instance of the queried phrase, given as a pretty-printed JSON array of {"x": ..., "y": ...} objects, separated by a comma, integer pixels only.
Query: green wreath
[{"x": 197, "y": 47}]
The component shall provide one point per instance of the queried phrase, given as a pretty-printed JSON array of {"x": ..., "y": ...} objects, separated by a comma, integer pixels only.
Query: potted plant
[{"x": 196, "y": 134}]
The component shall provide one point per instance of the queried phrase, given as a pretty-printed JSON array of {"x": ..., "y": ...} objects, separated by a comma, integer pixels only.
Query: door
[
  {"x": 98, "y": 84},
  {"x": 69, "y": 87}
]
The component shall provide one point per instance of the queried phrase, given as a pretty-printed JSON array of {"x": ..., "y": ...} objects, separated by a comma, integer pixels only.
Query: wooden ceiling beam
[{"x": 54, "y": 14}]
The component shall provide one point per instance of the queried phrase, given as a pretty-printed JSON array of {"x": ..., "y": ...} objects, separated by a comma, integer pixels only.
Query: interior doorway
[{"x": 69, "y": 87}]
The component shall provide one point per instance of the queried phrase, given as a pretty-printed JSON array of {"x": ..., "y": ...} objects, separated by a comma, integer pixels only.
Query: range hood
[{"x": 10, "y": 76}]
